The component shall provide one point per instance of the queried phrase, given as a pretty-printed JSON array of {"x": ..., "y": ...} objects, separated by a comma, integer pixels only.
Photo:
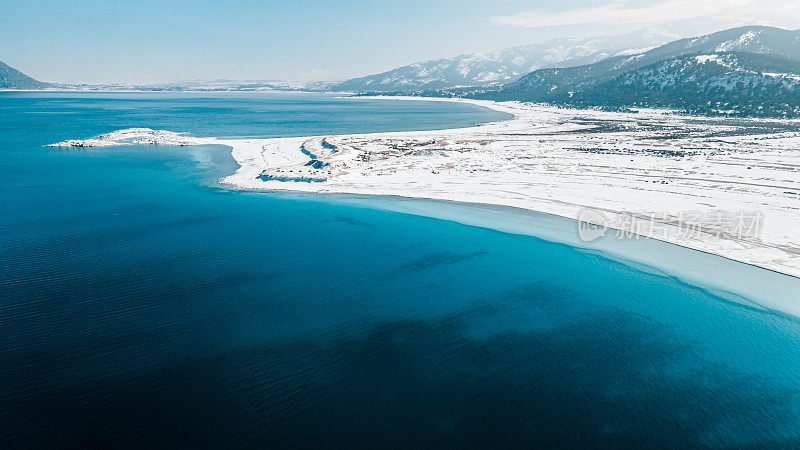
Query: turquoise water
[{"x": 144, "y": 306}]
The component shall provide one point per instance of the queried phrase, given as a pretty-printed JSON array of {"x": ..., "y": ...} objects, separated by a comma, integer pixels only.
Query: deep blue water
[{"x": 140, "y": 306}]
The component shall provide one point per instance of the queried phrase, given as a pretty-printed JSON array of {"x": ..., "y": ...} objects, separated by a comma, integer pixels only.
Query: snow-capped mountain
[
  {"x": 11, "y": 78},
  {"x": 547, "y": 83},
  {"x": 747, "y": 70},
  {"x": 738, "y": 82},
  {"x": 707, "y": 73},
  {"x": 498, "y": 67},
  {"x": 752, "y": 39}
]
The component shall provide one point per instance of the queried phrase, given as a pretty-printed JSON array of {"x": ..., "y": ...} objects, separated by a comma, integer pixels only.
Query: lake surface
[{"x": 142, "y": 305}]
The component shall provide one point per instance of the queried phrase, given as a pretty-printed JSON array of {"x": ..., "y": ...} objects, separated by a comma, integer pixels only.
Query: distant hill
[
  {"x": 11, "y": 78},
  {"x": 498, "y": 67}
]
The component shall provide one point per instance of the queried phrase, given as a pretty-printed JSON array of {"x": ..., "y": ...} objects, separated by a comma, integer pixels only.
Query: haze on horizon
[{"x": 94, "y": 41}]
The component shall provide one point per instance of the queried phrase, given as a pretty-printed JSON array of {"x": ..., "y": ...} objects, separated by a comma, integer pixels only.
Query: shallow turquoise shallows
[{"x": 141, "y": 305}]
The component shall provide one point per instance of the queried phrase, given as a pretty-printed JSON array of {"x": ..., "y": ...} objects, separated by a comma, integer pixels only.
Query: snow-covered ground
[
  {"x": 729, "y": 187},
  {"x": 132, "y": 136}
]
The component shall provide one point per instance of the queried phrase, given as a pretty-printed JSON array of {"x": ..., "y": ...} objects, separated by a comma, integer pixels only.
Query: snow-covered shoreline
[{"x": 685, "y": 180}]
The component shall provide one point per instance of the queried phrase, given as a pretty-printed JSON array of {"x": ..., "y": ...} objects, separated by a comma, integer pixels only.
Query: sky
[{"x": 143, "y": 41}]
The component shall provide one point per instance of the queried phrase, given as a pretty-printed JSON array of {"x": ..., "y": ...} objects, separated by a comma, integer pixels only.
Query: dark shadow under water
[{"x": 613, "y": 379}]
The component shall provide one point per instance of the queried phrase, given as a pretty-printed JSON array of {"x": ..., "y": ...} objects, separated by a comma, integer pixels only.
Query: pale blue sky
[{"x": 147, "y": 41}]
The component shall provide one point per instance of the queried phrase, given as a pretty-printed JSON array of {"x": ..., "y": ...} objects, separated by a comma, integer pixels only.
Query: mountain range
[
  {"x": 758, "y": 40},
  {"x": 726, "y": 82},
  {"x": 749, "y": 70},
  {"x": 494, "y": 68}
]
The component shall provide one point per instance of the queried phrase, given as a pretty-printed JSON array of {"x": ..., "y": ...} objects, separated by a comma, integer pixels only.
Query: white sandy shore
[{"x": 729, "y": 187}]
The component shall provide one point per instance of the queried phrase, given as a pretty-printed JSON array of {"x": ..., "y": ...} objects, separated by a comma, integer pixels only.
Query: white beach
[{"x": 728, "y": 187}]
